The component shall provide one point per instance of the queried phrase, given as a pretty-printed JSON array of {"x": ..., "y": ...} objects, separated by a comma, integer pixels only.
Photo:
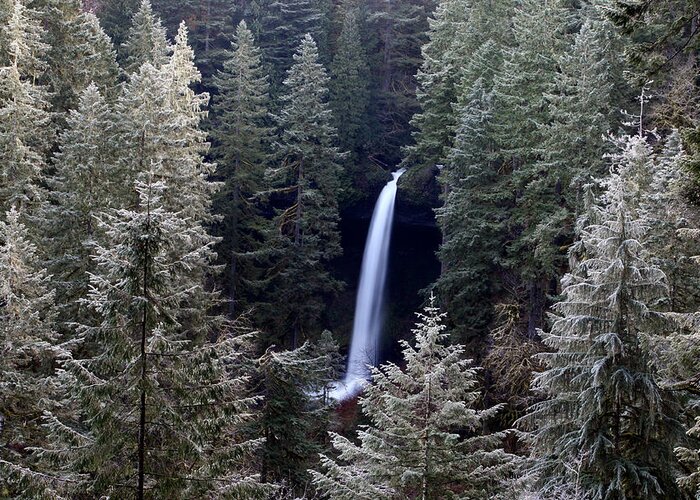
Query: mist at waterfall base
[{"x": 369, "y": 304}]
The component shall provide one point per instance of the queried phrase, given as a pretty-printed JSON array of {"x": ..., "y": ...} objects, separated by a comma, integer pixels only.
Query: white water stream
[{"x": 367, "y": 327}]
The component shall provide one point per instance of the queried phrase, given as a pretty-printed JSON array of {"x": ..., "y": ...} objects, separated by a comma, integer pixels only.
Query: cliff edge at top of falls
[{"x": 418, "y": 196}]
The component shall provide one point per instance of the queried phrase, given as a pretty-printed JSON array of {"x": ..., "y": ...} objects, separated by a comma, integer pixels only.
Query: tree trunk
[{"x": 142, "y": 382}]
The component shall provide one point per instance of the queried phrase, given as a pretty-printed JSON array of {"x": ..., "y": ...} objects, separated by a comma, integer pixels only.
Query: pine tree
[
  {"x": 349, "y": 88},
  {"x": 241, "y": 148},
  {"x": 306, "y": 233},
  {"x": 25, "y": 123},
  {"x": 295, "y": 412},
  {"x": 88, "y": 180},
  {"x": 604, "y": 409},
  {"x": 415, "y": 444},
  {"x": 146, "y": 40},
  {"x": 29, "y": 351},
  {"x": 161, "y": 411}
]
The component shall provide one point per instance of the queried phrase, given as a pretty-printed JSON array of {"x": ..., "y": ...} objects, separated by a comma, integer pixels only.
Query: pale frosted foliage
[
  {"x": 22, "y": 40},
  {"x": 159, "y": 117},
  {"x": 415, "y": 444},
  {"x": 146, "y": 40},
  {"x": 27, "y": 352},
  {"x": 604, "y": 407},
  {"x": 150, "y": 345},
  {"x": 25, "y": 123},
  {"x": 87, "y": 180}
]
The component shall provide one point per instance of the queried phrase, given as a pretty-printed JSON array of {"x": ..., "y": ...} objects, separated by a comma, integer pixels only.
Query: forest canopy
[{"x": 185, "y": 186}]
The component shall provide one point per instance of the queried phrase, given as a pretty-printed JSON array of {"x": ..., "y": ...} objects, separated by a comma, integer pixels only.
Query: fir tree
[
  {"x": 283, "y": 25},
  {"x": 414, "y": 446},
  {"x": 29, "y": 350},
  {"x": 349, "y": 88},
  {"x": 146, "y": 40},
  {"x": 437, "y": 81},
  {"x": 241, "y": 149},
  {"x": 605, "y": 410},
  {"x": 470, "y": 254},
  {"x": 80, "y": 53},
  {"x": 25, "y": 122},
  {"x": 306, "y": 235},
  {"x": 88, "y": 180},
  {"x": 161, "y": 413},
  {"x": 295, "y": 413},
  {"x": 22, "y": 38},
  {"x": 521, "y": 109}
]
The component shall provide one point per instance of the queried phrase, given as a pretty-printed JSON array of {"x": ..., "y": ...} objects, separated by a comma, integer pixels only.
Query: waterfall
[{"x": 367, "y": 327}]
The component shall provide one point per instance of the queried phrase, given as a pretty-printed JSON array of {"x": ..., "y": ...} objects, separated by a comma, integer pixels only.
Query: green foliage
[
  {"x": 604, "y": 411},
  {"x": 146, "y": 41},
  {"x": 88, "y": 180},
  {"x": 295, "y": 413},
  {"x": 241, "y": 148},
  {"x": 29, "y": 348},
  {"x": 425, "y": 435},
  {"x": 154, "y": 405},
  {"x": 308, "y": 174}
]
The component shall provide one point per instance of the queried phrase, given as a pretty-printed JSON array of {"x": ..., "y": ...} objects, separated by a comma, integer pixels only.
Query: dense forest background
[{"x": 185, "y": 188}]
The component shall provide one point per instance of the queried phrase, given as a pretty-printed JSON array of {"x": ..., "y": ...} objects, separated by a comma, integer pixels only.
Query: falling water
[{"x": 370, "y": 295}]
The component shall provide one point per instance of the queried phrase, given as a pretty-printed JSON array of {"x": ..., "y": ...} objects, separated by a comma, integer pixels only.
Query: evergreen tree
[
  {"x": 306, "y": 233},
  {"x": 87, "y": 181},
  {"x": 437, "y": 81},
  {"x": 584, "y": 110},
  {"x": 29, "y": 350},
  {"x": 160, "y": 117},
  {"x": 22, "y": 39},
  {"x": 160, "y": 413},
  {"x": 470, "y": 253},
  {"x": 283, "y": 25},
  {"x": 146, "y": 40},
  {"x": 80, "y": 53},
  {"x": 349, "y": 88},
  {"x": 399, "y": 29},
  {"x": 25, "y": 122},
  {"x": 521, "y": 109},
  {"x": 241, "y": 148},
  {"x": 415, "y": 444},
  {"x": 295, "y": 412},
  {"x": 605, "y": 410}
]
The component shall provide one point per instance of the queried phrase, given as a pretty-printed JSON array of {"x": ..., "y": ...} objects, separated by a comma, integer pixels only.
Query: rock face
[{"x": 416, "y": 200}]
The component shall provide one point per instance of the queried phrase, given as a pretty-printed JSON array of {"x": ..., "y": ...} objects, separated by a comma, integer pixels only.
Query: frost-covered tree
[
  {"x": 146, "y": 40},
  {"x": 88, "y": 180},
  {"x": 161, "y": 411},
  {"x": 603, "y": 409},
  {"x": 425, "y": 434},
  {"x": 25, "y": 122},
  {"x": 349, "y": 87},
  {"x": 22, "y": 39},
  {"x": 241, "y": 148},
  {"x": 306, "y": 234},
  {"x": 159, "y": 115},
  {"x": 80, "y": 53},
  {"x": 28, "y": 351},
  {"x": 295, "y": 412}
]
